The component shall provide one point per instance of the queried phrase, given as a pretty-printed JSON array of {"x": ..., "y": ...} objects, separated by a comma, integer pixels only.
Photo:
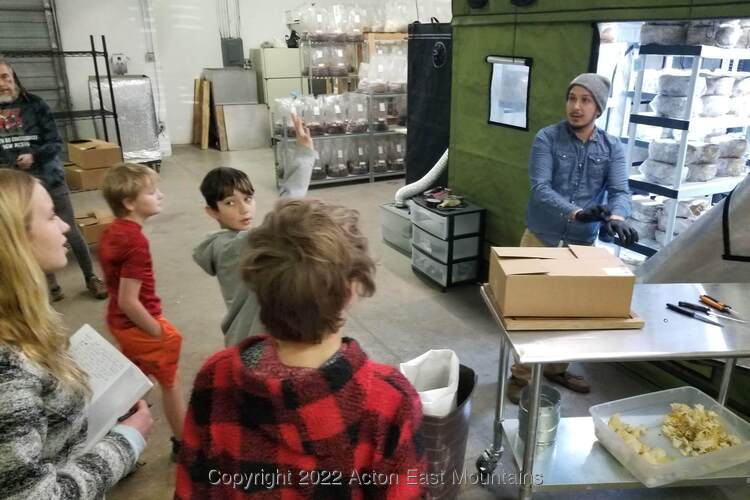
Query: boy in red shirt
[
  {"x": 302, "y": 412},
  {"x": 134, "y": 312}
]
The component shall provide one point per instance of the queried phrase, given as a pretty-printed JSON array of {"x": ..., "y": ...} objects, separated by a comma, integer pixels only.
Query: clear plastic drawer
[
  {"x": 463, "y": 248},
  {"x": 438, "y": 272},
  {"x": 396, "y": 226},
  {"x": 438, "y": 224}
]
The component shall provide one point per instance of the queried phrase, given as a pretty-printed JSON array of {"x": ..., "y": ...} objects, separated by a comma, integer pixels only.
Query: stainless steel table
[{"x": 576, "y": 460}]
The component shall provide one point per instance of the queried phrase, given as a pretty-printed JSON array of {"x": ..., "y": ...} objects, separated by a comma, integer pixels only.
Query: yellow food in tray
[
  {"x": 631, "y": 434},
  {"x": 692, "y": 431},
  {"x": 696, "y": 431}
]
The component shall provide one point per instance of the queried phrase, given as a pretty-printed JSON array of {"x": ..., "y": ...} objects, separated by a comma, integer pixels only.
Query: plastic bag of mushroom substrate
[
  {"x": 701, "y": 172},
  {"x": 677, "y": 84},
  {"x": 731, "y": 167},
  {"x": 661, "y": 172},
  {"x": 646, "y": 230},
  {"x": 730, "y": 145},
  {"x": 664, "y": 33},
  {"x": 645, "y": 209},
  {"x": 666, "y": 150}
]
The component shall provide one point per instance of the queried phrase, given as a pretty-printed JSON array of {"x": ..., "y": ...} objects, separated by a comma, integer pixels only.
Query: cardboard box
[
  {"x": 93, "y": 224},
  {"x": 93, "y": 153},
  {"x": 79, "y": 179},
  {"x": 578, "y": 281}
]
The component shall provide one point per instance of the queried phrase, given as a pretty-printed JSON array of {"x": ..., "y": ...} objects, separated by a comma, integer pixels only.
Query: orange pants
[{"x": 156, "y": 357}]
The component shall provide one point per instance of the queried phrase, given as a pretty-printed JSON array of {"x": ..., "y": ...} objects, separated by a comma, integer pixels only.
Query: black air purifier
[{"x": 429, "y": 88}]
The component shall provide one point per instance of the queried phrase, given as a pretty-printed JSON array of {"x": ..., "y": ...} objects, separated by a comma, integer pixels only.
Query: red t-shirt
[{"x": 124, "y": 253}]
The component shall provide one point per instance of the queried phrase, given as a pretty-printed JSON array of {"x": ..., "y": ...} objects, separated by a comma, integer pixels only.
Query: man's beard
[
  {"x": 581, "y": 127},
  {"x": 8, "y": 98}
]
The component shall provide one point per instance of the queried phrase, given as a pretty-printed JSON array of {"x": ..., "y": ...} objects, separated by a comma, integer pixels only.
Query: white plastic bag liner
[{"x": 434, "y": 375}]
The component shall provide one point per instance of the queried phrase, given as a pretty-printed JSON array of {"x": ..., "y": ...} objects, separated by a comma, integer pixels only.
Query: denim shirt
[{"x": 567, "y": 174}]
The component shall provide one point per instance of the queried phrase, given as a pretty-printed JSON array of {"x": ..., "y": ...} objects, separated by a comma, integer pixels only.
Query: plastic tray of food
[{"x": 646, "y": 413}]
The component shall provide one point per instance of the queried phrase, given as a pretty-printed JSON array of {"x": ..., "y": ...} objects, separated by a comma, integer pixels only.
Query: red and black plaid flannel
[{"x": 349, "y": 429}]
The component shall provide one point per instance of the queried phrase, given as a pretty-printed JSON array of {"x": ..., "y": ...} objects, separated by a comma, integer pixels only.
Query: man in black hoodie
[{"x": 29, "y": 141}]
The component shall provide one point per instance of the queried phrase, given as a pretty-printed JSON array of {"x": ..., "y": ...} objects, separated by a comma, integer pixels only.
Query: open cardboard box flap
[
  {"x": 95, "y": 217},
  {"x": 532, "y": 253},
  {"x": 89, "y": 144},
  {"x": 553, "y": 267},
  {"x": 513, "y": 267},
  {"x": 590, "y": 267}
]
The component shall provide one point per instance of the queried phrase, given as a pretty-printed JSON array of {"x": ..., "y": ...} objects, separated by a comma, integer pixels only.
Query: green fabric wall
[{"x": 489, "y": 163}]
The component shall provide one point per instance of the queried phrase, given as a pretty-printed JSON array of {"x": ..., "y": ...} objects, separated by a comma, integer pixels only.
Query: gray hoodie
[
  {"x": 219, "y": 255},
  {"x": 297, "y": 173}
]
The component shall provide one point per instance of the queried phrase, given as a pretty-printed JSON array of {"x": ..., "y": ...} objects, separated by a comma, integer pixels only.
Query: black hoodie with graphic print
[{"x": 27, "y": 126}]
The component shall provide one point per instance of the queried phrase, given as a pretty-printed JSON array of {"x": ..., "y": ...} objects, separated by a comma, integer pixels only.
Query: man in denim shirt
[{"x": 579, "y": 181}]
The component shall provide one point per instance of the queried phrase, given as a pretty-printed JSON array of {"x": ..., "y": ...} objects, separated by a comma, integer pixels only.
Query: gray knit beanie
[{"x": 598, "y": 85}]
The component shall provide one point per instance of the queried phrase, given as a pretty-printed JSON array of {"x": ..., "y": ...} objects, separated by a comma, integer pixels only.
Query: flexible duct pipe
[{"x": 422, "y": 184}]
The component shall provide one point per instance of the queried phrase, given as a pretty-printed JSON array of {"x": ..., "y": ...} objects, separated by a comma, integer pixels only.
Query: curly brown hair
[{"x": 304, "y": 263}]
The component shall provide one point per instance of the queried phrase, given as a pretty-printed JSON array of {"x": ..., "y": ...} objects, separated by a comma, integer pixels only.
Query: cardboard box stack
[
  {"x": 572, "y": 282},
  {"x": 89, "y": 161},
  {"x": 93, "y": 224}
]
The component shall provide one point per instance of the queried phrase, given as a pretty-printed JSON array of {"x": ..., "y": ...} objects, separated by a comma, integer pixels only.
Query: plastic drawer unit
[
  {"x": 446, "y": 244},
  {"x": 444, "y": 251},
  {"x": 443, "y": 274},
  {"x": 396, "y": 227},
  {"x": 447, "y": 224}
]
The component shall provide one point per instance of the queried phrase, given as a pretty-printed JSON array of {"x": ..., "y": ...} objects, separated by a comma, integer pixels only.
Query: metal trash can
[{"x": 445, "y": 439}]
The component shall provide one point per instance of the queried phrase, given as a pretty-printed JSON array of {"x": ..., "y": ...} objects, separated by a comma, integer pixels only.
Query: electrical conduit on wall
[{"x": 165, "y": 145}]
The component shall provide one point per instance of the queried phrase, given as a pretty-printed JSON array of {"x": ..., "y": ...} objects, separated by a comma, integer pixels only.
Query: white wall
[
  {"x": 186, "y": 41},
  {"x": 264, "y": 21}
]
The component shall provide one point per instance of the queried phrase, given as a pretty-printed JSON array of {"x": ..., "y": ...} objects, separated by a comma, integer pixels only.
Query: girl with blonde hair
[{"x": 42, "y": 412}]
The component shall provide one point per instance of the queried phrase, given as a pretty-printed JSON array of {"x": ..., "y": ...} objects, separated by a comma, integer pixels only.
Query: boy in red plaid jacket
[{"x": 302, "y": 412}]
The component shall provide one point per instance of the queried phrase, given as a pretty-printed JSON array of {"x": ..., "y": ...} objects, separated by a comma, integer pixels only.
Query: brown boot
[
  {"x": 575, "y": 383},
  {"x": 514, "y": 388},
  {"x": 56, "y": 294},
  {"x": 97, "y": 288}
]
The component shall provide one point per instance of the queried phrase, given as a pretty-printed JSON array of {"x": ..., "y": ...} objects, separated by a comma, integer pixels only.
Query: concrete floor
[{"x": 405, "y": 318}]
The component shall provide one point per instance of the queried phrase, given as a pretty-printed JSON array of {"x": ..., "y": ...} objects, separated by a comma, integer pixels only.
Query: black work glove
[
  {"x": 628, "y": 236},
  {"x": 597, "y": 213}
]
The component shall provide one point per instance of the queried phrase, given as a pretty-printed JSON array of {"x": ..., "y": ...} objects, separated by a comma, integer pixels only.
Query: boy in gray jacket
[{"x": 230, "y": 200}]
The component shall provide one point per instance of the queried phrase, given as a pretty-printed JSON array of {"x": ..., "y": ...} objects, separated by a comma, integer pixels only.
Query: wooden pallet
[
  {"x": 209, "y": 127},
  {"x": 221, "y": 128},
  {"x": 196, "y": 111},
  {"x": 201, "y": 112}
]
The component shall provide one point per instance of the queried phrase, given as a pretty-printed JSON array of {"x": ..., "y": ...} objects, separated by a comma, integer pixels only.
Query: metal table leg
[
  {"x": 487, "y": 461},
  {"x": 527, "y": 471},
  {"x": 726, "y": 378}
]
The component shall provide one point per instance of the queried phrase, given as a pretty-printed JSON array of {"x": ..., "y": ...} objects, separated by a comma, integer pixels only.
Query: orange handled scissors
[{"x": 718, "y": 305}]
